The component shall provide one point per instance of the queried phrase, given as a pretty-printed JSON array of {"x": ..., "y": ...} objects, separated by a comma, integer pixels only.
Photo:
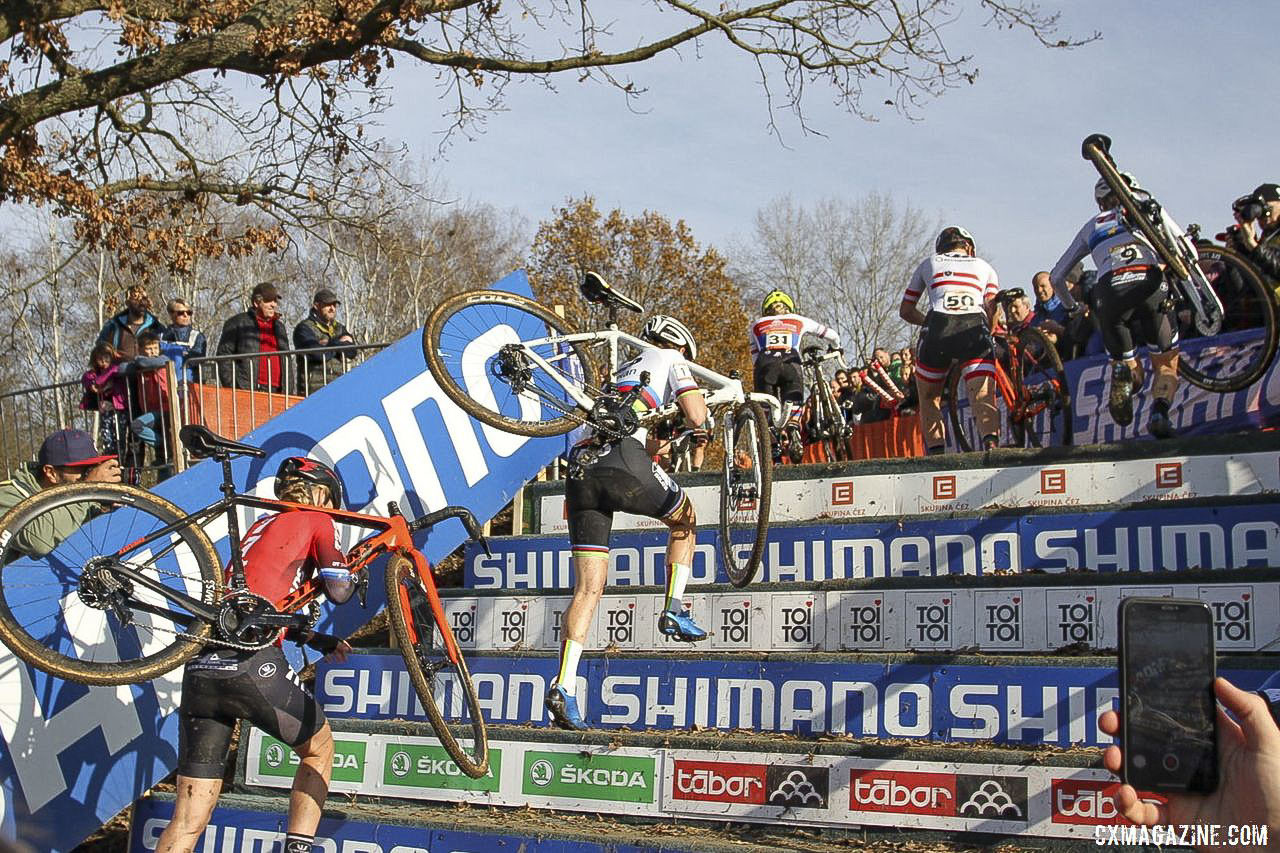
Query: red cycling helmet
[{"x": 303, "y": 468}]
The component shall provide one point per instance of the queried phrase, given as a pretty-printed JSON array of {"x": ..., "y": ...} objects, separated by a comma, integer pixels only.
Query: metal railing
[{"x": 140, "y": 418}]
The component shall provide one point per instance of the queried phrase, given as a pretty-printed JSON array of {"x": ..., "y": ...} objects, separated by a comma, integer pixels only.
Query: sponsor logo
[
  {"x": 557, "y": 617},
  {"x": 278, "y": 760},
  {"x": 735, "y": 622},
  {"x": 1053, "y": 481},
  {"x": 1086, "y": 801},
  {"x": 863, "y": 620},
  {"x": 618, "y": 778},
  {"x": 719, "y": 782},
  {"x": 513, "y": 624},
  {"x": 793, "y": 620},
  {"x": 1168, "y": 475},
  {"x": 902, "y": 793},
  {"x": 412, "y": 766},
  {"x": 267, "y": 670},
  {"x": 463, "y": 622},
  {"x": 931, "y": 620},
  {"x": 1233, "y": 619},
  {"x": 274, "y": 755},
  {"x": 1072, "y": 618},
  {"x": 797, "y": 787},
  {"x": 842, "y": 493},
  {"x": 1001, "y": 622},
  {"x": 999, "y": 797},
  {"x": 620, "y": 624},
  {"x": 944, "y": 487}
]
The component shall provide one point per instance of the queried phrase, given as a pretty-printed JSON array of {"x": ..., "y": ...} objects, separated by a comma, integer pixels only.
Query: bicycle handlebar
[{"x": 474, "y": 530}]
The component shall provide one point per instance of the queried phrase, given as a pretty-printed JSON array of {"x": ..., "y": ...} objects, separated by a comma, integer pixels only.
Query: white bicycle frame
[{"x": 1204, "y": 303}]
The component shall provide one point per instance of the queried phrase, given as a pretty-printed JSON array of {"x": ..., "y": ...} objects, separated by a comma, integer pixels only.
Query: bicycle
[
  {"x": 824, "y": 420},
  {"x": 516, "y": 366},
  {"x": 1217, "y": 291},
  {"x": 138, "y": 589},
  {"x": 1031, "y": 382}
]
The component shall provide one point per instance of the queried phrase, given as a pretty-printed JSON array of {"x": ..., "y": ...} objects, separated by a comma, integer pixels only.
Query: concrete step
[
  {"x": 973, "y": 700},
  {"x": 1026, "y": 612}
]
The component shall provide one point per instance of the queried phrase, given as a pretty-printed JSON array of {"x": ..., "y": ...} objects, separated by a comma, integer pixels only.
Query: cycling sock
[
  {"x": 677, "y": 580},
  {"x": 1160, "y": 407},
  {"x": 297, "y": 842},
  {"x": 570, "y": 652}
]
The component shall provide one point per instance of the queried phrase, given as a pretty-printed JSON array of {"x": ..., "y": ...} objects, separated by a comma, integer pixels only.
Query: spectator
[
  {"x": 183, "y": 341},
  {"x": 847, "y": 393},
  {"x": 260, "y": 329},
  {"x": 150, "y": 397},
  {"x": 1262, "y": 246},
  {"x": 122, "y": 330},
  {"x": 104, "y": 394},
  {"x": 322, "y": 329},
  {"x": 67, "y": 456}
]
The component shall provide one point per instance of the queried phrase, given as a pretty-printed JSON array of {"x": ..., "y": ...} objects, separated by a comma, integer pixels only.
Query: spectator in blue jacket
[
  {"x": 182, "y": 341},
  {"x": 122, "y": 330}
]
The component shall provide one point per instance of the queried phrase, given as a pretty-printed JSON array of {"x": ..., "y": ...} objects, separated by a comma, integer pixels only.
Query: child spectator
[
  {"x": 150, "y": 396},
  {"x": 104, "y": 394}
]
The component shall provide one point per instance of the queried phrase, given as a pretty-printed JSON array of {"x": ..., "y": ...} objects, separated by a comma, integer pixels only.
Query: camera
[{"x": 1249, "y": 208}]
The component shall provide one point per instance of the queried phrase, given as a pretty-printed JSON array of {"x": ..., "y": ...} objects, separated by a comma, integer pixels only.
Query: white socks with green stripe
[
  {"x": 570, "y": 653},
  {"x": 677, "y": 580}
]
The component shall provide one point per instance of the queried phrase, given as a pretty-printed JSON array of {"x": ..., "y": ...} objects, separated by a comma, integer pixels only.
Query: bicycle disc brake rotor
[
  {"x": 100, "y": 588},
  {"x": 512, "y": 366}
]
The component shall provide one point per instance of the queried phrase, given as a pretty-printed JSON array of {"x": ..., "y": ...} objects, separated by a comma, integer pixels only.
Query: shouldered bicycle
[
  {"x": 823, "y": 418},
  {"x": 516, "y": 366},
  {"x": 139, "y": 589}
]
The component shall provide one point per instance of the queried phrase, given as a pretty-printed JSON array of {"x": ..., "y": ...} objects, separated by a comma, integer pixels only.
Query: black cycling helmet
[
  {"x": 952, "y": 236},
  {"x": 302, "y": 468}
]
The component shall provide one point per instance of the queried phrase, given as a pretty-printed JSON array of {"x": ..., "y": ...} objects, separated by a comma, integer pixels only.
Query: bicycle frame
[{"x": 394, "y": 535}]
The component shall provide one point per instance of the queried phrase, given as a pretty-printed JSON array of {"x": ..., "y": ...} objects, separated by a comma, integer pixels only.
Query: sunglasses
[{"x": 181, "y": 313}]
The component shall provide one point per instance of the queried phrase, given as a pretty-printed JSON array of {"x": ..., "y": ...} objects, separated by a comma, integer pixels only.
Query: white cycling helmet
[
  {"x": 953, "y": 235},
  {"x": 663, "y": 329},
  {"x": 1102, "y": 189}
]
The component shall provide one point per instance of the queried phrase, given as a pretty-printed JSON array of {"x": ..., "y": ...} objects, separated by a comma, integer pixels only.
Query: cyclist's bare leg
[
  {"x": 1164, "y": 366},
  {"x": 982, "y": 403},
  {"x": 591, "y": 572},
  {"x": 191, "y": 813},
  {"x": 1139, "y": 374},
  {"x": 311, "y": 781},
  {"x": 681, "y": 528},
  {"x": 930, "y": 394}
]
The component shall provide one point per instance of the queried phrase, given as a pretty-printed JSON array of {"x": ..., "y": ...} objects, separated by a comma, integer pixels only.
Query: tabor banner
[
  {"x": 1153, "y": 539},
  {"x": 1001, "y": 619},
  {"x": 869, "y": 496},
  {"x": 234, "y": 830},
  {"x": 799, "y": 788},
  {"x": 1013, "y": 703},
  {"x": 76, "y": 756}
]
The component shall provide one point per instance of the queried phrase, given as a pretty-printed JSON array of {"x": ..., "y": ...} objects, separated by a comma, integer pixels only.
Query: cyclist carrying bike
[
  {"x": 952, "y": 295},
  {"x": 1130, "y": 290},
  {"x": 775, "y": 350},
  {"x": 223, "y": 685},
  {"x": 617, "y": 475}
]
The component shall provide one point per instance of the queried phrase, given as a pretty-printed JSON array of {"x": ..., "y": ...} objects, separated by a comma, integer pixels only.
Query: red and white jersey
[
  {"x": 953, "y": 283},
  {"x": 283, "y": 550},
  {"x": 779, "y": 334}
]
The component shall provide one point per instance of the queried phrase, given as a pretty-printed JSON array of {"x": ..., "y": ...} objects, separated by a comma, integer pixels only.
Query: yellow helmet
[{"x": 777, "y": 296}]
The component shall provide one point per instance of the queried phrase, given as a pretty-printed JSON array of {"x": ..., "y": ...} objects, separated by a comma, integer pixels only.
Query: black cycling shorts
[
  {"x": 779, "y": 375},
  {"x": 221, "y": 686},
  {"x": 622, "y": 479},
  {"x": 1134, "y": 299},
  {"x": 962, "y": 338}
]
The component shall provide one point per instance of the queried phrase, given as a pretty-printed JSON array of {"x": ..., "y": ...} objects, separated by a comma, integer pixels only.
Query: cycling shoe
[
  {"x": 1160, "y": 425},
  {"x": 1120, "y": 402},
  {"x": 564, "y": 709},
  {"x": 680, "y": 626}
]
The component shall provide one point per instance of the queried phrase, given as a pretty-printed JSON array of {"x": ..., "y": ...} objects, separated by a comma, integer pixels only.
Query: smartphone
[{"x": 1169, "y": 733}]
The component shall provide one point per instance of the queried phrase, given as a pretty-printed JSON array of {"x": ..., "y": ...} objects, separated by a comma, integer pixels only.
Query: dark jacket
[
  {"x": 312, "y": 333},
  {"x": 240, "y": 335},
  {"x": 1266, "y": 256},
  {"x": 117, "y": 332}
]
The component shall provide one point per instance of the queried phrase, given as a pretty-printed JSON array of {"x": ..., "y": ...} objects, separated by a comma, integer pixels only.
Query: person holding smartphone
[{"x": 1248, "y": 789}]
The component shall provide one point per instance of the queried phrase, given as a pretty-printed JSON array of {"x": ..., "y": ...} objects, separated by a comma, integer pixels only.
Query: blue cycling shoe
[
  {"x": 564, "y": 709},
  {"x": 680, "y": 626}
]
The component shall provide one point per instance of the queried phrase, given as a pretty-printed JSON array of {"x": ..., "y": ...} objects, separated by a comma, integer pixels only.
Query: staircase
[{"x": 923, "y": 659}]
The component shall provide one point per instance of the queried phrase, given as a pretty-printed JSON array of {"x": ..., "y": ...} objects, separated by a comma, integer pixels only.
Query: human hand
[
  {"x": 1248, "y": 769},
  {"x": 104, "y": 472},
  {"x": 339, "y": 654}
]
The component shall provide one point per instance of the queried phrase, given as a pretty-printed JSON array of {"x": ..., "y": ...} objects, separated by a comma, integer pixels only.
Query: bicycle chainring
[{"x": 235, "y": 626}]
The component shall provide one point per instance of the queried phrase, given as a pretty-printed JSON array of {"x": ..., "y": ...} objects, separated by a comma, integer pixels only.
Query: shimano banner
[
  {"x": 1008, "y": 704},
  {"x": 75, "y": 756},
  {"x": 1158, "y": 539}
]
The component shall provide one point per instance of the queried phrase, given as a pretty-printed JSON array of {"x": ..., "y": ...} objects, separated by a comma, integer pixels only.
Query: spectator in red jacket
[{"x": 260, "y": 329}]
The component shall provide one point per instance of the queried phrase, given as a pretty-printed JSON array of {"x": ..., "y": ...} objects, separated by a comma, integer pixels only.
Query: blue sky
[{"x": 1181, "y": 87}]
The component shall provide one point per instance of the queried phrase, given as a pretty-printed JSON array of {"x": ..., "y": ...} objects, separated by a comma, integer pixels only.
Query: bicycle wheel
[
  {"x": 427, "y": 652},
  {"x": 963, "y": 429},
  {"x": 1041, "y": 414},
  {"x": 745, "y": 492},
  {"x": 66, "y": 613},
  {"x": 1242, "y": 351},
  {"x": 500, "y": 358}
]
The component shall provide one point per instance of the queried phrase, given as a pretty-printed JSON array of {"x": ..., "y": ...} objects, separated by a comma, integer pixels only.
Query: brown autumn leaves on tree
[
  {"x": 648, "y": 259},
  {"x": 143, "y": 120}
]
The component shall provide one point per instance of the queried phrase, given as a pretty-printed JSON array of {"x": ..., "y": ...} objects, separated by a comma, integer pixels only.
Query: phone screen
[{"x": 1167, "y": 667}]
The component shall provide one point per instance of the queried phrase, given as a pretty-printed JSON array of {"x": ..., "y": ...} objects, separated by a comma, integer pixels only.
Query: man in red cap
[{"x": 67, "y": 456}]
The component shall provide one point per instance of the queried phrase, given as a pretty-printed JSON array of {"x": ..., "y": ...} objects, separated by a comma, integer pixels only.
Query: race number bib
[{"x": 774, "y": 341}]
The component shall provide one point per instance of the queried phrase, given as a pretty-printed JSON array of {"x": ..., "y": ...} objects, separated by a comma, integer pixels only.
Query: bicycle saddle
[
  {"x": 1096, "y": 140},
  {"x": 202, "y": 442},
  {"x": 596, "y": 290}
]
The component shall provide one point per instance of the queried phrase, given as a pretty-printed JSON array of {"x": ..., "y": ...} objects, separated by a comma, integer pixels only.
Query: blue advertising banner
[
  {"x": 1158, "y": 539},
  {"x": 75, "y": 756},
  {"x": 244, "y": 831},
  {"x": 1020, "y": 705}
]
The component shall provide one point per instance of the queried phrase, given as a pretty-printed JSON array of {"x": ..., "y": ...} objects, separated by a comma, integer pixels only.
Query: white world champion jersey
[
  {"x": 1114, "y": 246},
  {"x": 669, "y": 379},
  {"x": 780, "y": 334},
  {"x": 952, "y": 284}
]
